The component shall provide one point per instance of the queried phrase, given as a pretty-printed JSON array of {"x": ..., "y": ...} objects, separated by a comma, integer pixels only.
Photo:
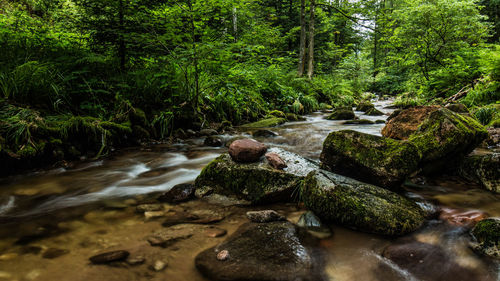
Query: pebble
[
  {"x": 159, "y": 265},
  {"x": 136, "y": 260},
  {"x": 223, "y": 255},
  {"x": 154, "y": 214},
  {"x": 109, "y": 257},
  {"x": 214, "y": 232}
]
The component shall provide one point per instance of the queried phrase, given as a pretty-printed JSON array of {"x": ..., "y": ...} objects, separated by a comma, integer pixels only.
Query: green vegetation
[{"x": 78, "y": 77}]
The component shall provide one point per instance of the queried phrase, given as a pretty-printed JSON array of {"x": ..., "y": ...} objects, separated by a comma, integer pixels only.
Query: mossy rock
[
  {"x": 374, "y": 112},
  {"x": 277, "y": 114},
  {"x": 294, "y": 117},
  {"x": 360, "y": 206},
  {"x": 486, "y": 235},
  {"x": 482, "y": 169},
  {"x": 138, "y": 117},
  {"x": 342, "y": 113},
  {"x": 494, "y": 124},
  {"x": 378, "y": 160},
  {"x": 269, "y": 122},
  {"x": 458, "y": 108},
  {"x": 364, "y": 106},
  {"x": 256, "y": 182},
  {"x": 358, "y": 122},
  {"x": 444, "y": 137}
]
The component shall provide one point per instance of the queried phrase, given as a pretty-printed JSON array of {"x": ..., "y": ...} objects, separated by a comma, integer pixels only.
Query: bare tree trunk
[
  {"x": 235, "y": 24},
  {"x": 310, "y": 69},
  {"x": 195, "y": 59},
  {"x": 302, "y": 47},
  {"x": 121, "y": 41},
  {"x": 375, "y": 41}
]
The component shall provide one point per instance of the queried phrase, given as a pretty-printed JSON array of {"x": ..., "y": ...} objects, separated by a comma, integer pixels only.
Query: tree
[{"x": 302, "y": 47}]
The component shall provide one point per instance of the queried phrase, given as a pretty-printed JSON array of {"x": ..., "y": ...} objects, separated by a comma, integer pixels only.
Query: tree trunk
[
  {"x": 235, "y": 24},
  {"x": 121, "y": 40},
  {"x": 195, "y": 59},
  {"x": 302, "y": 47},
  {"x": 375, "y": 41},
  {"x": 310, "y": 69}
]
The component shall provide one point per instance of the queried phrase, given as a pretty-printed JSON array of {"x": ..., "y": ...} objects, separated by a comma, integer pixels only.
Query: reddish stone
[
  {"x": 275, "y": 161},
  {"x": 223, "y": 255},
  {"x": 246, "y": 150},
  {"x": 214, "y": 232},
  {"x": 462, "y": 217},
  {"x": 406, "y": 122}
]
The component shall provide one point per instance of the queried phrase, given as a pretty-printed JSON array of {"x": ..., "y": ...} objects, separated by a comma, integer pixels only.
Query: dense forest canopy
[{"x": 81, "y": 76}]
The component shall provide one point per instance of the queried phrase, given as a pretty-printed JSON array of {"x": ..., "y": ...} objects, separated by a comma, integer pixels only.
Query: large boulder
[
  {"x": 257, "y": 182},
  {"x": 486, "y": 235},
  {"x": 381, "y": 161},
  {"x": 364, "y": 106},
  {"x": 445, "y": 137},
  {"x": 246, "y": 150},
  {"x": 483, "y": 169},
  {"x": 359, "y": 205},
  {"x": 403, "y": 123},
  {"x": 342, "y": 113},
  {"x": 275, "y": 251}
]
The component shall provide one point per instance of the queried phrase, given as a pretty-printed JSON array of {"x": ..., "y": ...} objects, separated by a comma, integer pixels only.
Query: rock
[
  {"x": 256, "y": 182},
  {"x": 154, "y": 215},
  {"x": 8, "y": 256},
  {"x": 214, "y": 232},
  {"x": 358, "y": 122},
  {"x": 275, "y": 161},
  {"x": 359, "y": 205},
  {"x": 52, "y": 253},
  {"x": 269, "y": 122},
  {"x": 159, "y": 265},
  {"x": 109, "y": 257},
  {"x": 213, "y": 141},
  {"x": 178, "y": 193},
  {"x": 246, "y": 150},
  {"x": 402, "y": 123},
  {"x": 312, "y": 223},
  {"x": 167, "y": 237},
  {"x": 148, "y": 208},
  {"x": 486, "y": 235},
  {"x": 263, "y": 251},
  {"x": 342, "y": 113},
  {"x": 180, "y": 134},
  {"x": 493, "y": 137},
  {"x": 207, "y": 132},
  {"x": 379, "y": 121},
  {"x": 137, "y": 260},
  {"x": 190, "y": 133},
  {"x": 457, "y": 107},
  {"x": 483, "y": 169},
  {"x": 226, "y": 201},
  {"x": 445, "y": 137},
  {"x": 265, "y": 216},
  {"x": 429, "y": 262},
  {"x": 374, "y": 112},
  {"x": 466, "y": 218},
  {"x": 294, "y": 117},
  {"x": 277, "y": 113},
  {"x": 382, "y": 161},
  {"x": 264, "y": 133},
  {"x": 174, "y": 218},
  {"x": 203, "y": 191},
  {"x": 364, "y": 106}
]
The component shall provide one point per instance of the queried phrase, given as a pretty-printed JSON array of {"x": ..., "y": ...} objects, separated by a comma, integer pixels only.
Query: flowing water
[{"x": 51, "y": 222}]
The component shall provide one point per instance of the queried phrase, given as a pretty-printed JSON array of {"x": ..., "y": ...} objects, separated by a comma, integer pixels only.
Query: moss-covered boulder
[
  {"x": 269, "y": 122},
  {"x": 402, "y": 123},
  {"x": 378, "y": 160},
  {"x": 483, "y": 169},
  {"x": 358, "y": 122},
  {"x": 444, "y": 137},
  {"x": 342, "y": 113},
  {"x": 359, "y": 205},
  {"x": 364, "y": 106},
  {"x": 374, "y": 112},
  {"x": 486, "y": 235},
  {"x": 277, "y": 113},
  {"x": 257, "y": 182}
]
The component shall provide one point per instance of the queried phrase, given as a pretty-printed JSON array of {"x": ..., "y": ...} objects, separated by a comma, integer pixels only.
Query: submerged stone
[
  {"x": 313, "y": 224},
  {"x": 275, "y": 251},
  {"x": 483, "y": 169},
  {"x": 264, "y": 216},
  {"x": 381, "y": 161},
  {"x": 213, "y": 141},
  {"x": 359, "y": 205},
  {"x": 178, "y": 193},
  {"x": 109, "y": 257},
  {"x": 264, "y": 133},
  {"x": 256, "y": 182}
]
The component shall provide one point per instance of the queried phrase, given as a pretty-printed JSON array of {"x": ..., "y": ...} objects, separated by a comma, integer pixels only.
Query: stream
[{"x": 52, "y": 221}]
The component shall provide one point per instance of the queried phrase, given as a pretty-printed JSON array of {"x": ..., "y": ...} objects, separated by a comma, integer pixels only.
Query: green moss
[
  {"x": 27, "y": 151},
  {"x": 359, "y": 122},
  {"x": 374, "y": 112},
  {"x": 487, "y": 231},
  {"x": 115, "y": 127},
  {"x": 277, "y": 114},
  {"x": 364, "y": 106},
  {"x": 270, "y": 122},
  {"x": 138, "y": 117},
  {"x": 494, "y": 124},
  {"x": 360, "y": 206},
  {"x": 342, "y": 113}
]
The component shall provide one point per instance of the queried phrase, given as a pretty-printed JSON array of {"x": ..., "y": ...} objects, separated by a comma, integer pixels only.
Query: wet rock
[
  {"x": 358, "y": 122},
  {"x": 486, "y": 235},
  {"x": 445, "y": 137},
  {"x": 359, "y": 205},
  {"x": 207, "y": 132},
  {"x": 167, "y": 237},
  {"x": 109, "y": 257},
  {"x": 218, "y": 199},
  {"x": 429, "y": 262},
  {"x": 379, "y": 121},
  {"x": 493, "y": 137},
  {"x": 264, "y": 133},
  {"x": 401, "y": 124},
  {"x": 214, "y": 232},
  {"x": 457, "y": 107},
  {"x": 364, "y": 106},
  {"x": 159, "y": 265},
  {"x": 264, "y": 216},
  {"x": 256, "y": 182},
  {"x": 202, "y": 217},
  {"x": 482, "y": 169},
  {"x": 246, "y": 150},
  {"x": 275, "y": 161},
  {"x": 374, "y": 112},
  {"x": 190, "y": 133},
  {"x": 294, "y": 117},
  {"x": 311, "y": 222},
  {"x": 148, "y": 208},
  {"x": 137, "y": 260},
  {"x": 269, "y": 122},
  {"x": 342, "y": 113},
  {"x": 213, "y": 141},
  {"x": 52, "y": 253},
  {"x": 262, "y": 251},
  {"x": 203, "y": 191},
  {"x": 382, "y": 161},
  {"x": 35, "y": 250},
  {"x": 154, "y": 215},
  {"x": 467, "y": 218},
  {"x": 35, "y": 232},
  {"x": 178, "y": 193}
]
